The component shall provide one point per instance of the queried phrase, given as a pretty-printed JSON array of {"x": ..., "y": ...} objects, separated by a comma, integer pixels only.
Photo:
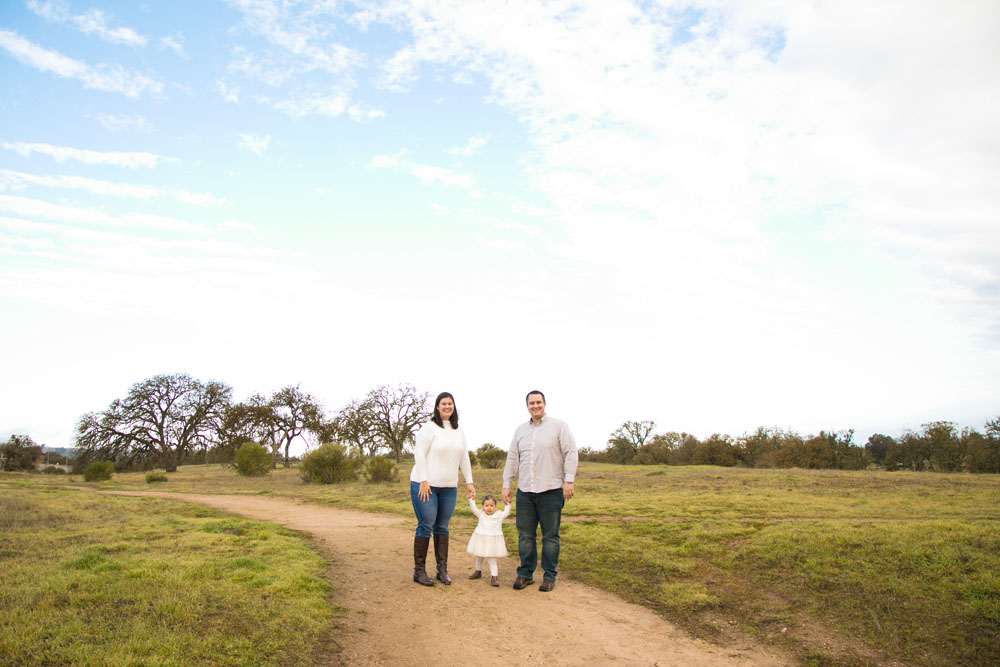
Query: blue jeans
[
  {"x": 534, "y": 509},
  {"x": 434, "y": 514}
]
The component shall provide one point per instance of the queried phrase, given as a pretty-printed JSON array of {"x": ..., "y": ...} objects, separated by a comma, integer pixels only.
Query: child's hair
[{"x": 490, "y": 496}]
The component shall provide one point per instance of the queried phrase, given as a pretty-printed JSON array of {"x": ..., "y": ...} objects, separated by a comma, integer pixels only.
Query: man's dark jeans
[{"x": 534, "y": 509}]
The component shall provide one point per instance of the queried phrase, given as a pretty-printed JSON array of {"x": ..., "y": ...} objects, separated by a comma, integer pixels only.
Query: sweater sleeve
[
  {"x": 472, "y": 506},
  {"x": 506, "y": 511},
  {"x": 421, "y": 446},
  {"x": 464, "y": 464}
]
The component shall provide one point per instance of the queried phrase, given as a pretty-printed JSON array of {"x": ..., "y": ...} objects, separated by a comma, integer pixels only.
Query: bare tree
[
  {"x": 294, "y": 413},
  {"x": 396, "y": 412},
  {"x": 353, "y": 426},
  {"x": 387, "y": 417},
  {"x": 162, "y": 419},
  {"x": 628, "y": 439},
  {"x": 249, "y": 421}
]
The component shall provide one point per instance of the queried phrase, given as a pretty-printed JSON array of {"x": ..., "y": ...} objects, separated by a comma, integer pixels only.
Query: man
[{"x": 543, "y": 457}]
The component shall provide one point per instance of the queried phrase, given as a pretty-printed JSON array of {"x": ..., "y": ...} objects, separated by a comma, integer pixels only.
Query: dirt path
[{"x": 392, "y": 621}]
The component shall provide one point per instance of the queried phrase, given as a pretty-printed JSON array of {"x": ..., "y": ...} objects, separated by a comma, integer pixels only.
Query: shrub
[
  {"x": 473, "y": 460},
  {"x": 717, "y": 450},
  {"x": 53, "y": 470},
  {"x": 155, "y": 477},
  {"x": 982, "y": 453},
  {"x": 491, "y": 456},
  {"x": 328, "y": 464},
  {"x": 19, "y": 453},
  {"x": 381, "y": 469},
  {"x": 98, "y": 470},
  {"x": 252, "y": 459}
]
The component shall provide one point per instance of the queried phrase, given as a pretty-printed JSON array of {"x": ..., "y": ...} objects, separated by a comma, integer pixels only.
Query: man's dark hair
[
  {"x": 453, "y": 420},
  {"x": 534, "y": 391}
]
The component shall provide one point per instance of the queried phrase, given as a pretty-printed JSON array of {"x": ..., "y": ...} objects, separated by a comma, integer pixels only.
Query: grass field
[
  {"x": 836, "y": 567},
  {"x": 99, "y": 580}
]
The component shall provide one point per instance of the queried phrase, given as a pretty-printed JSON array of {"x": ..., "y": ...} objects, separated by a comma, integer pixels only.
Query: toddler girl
[{"x": 487, "y": 540}]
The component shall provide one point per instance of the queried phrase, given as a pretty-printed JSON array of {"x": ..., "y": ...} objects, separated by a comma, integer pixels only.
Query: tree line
[
  {"x": 170, "y": 420},
  {"x": 939, "y": 446}
]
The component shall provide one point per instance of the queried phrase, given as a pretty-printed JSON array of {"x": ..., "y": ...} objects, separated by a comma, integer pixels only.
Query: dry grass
[{"x": 855, "y": 567}]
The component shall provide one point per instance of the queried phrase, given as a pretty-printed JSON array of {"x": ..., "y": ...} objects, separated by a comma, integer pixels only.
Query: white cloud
[
  {"x": 92, "y": 22},
  {"x": 301, "y": 43},
  {"x": 302, "y": 31},
  {"x": 400, "y": 71},
  {"x": 503, "y": 244},
  {"x": 254, "y": 143},
  {"x": 18, "y": 180},
  {"x": 38, "y": 209},
  {"x": 197, "y": 198},
  {"x": 174, "y": 43},
  {"x": 361, "y": 114},
  {"x": 63, "y": 153},
  {"x": 124, "y": 123},
  {"x": 265, "y": 68},
  {"x": 425, "y": 173},
  {"x": 114, "y": 271},
  {"x": 229, "y": 93},
  {"x": 470, "y": 147},
  {"x": 651, "y": 135},
  {"x": 330, "y": 105},
  {"x": 109, "y": 78},
  {"x": 237, "y": 226}
]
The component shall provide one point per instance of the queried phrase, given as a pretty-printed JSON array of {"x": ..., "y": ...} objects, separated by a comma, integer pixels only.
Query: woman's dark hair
[{"x": 453, "y": 420}]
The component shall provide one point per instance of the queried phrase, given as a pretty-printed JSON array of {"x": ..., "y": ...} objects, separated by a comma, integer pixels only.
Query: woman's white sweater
[{"x": 438, "y": 454}]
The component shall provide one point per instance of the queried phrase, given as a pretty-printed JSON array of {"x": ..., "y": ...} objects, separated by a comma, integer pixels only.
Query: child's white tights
[{"x": 491, "y": 561}]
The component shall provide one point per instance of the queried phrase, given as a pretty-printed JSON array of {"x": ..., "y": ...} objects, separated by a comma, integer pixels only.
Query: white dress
[{"x": 487, "y": 540}]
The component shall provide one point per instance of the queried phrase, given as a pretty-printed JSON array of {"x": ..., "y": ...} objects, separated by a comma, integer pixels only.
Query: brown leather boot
[
  {"x": 441, "y": 556},
  {"x": 478, "y": 574},
  {"x": 420, "y": 545}
]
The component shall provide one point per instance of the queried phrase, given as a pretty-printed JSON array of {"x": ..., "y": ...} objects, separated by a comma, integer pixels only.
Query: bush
[
  {"x": 252, "y": 459},
  {"x": 98, "y": 471},
  {"x": 329, "y": 464},
  {"x": 491, "y": 456},
  {"x": 19, "y": 453},
  {"x": 53, "y": 470},
  {"x": 473, "y": 460},
  {"x": 155, "y": 477},
  {"x": 717, "y": 450},
  {"x": 381, "y": 469}
]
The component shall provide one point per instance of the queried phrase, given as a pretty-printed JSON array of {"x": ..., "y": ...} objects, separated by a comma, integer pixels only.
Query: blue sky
[{"x": 714, "y": 215}]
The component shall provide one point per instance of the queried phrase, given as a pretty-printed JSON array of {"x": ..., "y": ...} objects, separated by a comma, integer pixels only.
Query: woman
[{"x": 439, "y": 452}]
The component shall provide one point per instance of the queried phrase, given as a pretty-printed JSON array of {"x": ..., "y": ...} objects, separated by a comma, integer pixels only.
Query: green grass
[
  {"x": 905, "y": 563},
  {"x": 858, "y": 567},
  {"x": 99, "y": 580}
]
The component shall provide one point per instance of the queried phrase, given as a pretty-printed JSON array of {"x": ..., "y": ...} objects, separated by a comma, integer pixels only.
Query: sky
[{"x": 714, "y": 215}]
